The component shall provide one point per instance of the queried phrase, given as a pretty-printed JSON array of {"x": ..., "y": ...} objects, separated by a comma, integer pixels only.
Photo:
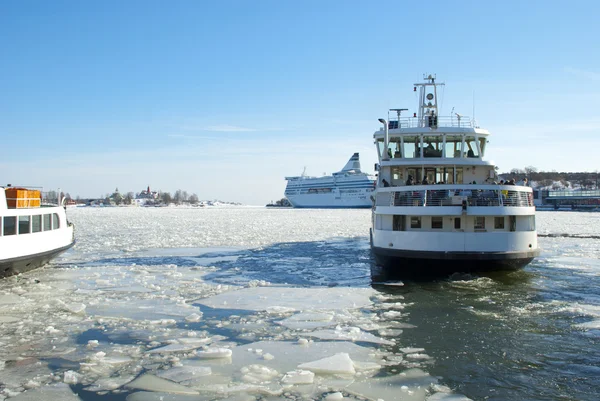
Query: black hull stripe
[{"x": 22, "y": 264}]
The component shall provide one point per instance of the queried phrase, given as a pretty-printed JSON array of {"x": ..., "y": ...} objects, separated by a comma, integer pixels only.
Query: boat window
[
  {"x": 530, "y": 223},
  {"x": 499, "y": 223},
  {"x": 380, "y": 148},
  {"x": 10, "y": 225},
  {"x": 412, "y": 147},
  {"x": 415, "y": 222},
  {"x": 457, "y": 223},
  {"x": 398, "y": 222},
  {"x": 24, "y": 222},
  {"x": 432, "y": 146},
  {"x": 395, "y": 150},
  {"x": 459, "y": 175},
  {"x": 513, "y": 223},
  {"x": 437, "y": 222},
  {"x": 471, "y": 147},
  {"x": 479, "y": 222},
  {"x": 55, "y": 221},
  {"x": 397, "y": 176},
  {"x": 36, "y": 223},
  {"x": 47, "y": 222},
  {"x": 453, "y": 145},
  {"x": 482, "y": 142}
]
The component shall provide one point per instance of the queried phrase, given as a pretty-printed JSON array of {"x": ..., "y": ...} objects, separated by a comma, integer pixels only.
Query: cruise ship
[
  {"x": 439, "y": 207},
  {"x": 348, "y": 188}
]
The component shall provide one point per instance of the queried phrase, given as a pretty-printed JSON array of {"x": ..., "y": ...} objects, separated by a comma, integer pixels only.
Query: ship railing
[
  {"x": 438, "y": 121},
  {"x": 450, "y": 195}
]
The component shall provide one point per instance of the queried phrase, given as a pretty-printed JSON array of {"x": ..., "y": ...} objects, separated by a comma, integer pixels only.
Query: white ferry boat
[
  {"x": 348, "y": 188},
  {"x": 31, "y": 233},
  {"x": 438, "y": 208}
]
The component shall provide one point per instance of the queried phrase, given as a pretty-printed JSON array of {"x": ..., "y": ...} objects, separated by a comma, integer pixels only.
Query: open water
[{"x": 227, "y": 303}]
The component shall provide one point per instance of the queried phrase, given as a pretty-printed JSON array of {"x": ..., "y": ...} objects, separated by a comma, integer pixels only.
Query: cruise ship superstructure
[
  {"x": 348, "y": 188},
  {"x": 438, "y": 206}
]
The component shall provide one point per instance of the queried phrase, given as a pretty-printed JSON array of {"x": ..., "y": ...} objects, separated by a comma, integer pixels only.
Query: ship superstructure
[
  {"x": 348, "y": 188},
  {"x": 438, "y": 205}
]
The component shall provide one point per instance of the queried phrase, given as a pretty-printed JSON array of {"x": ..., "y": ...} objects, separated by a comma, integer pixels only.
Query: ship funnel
[{"x": 353, "y": 164}]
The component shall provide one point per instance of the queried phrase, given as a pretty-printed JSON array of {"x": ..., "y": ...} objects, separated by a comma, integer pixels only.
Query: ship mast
[{"x": 428, "y": 104}]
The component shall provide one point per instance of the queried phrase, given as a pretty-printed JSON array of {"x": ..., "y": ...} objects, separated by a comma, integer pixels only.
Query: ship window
[
  {"x": 55, "y": 221},
  {"x": 36, "y": 223},
  {"x": 453, "y": 145},
  {"x": 499, "y": 223},
  {"x": 398, "y": 223},
  {"x": 10, "y": 225},
  {"x": 457, "y": 223},
  {"x": 531, "y": 223},
  {"x": 432, "y": 147},
  {"x": 471, "y": 147},
  {"x": 24, "y": 224},
  {"x": 47, "y": 222},
  {"x": 415, "y": 222},
  {"x": 397, "y": 178},
  {"x": 513, "y": 223},
  {"x": 437, "y": 222},
  {"x": 482, "y": 142},
  {"x": 479, "y": 222}
]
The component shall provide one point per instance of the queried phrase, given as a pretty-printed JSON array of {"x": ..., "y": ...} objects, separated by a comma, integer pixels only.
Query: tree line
[{"x": 555, "y": 179}]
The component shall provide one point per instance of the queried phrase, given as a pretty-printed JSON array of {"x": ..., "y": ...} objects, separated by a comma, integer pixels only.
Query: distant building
[{"x": 144, "y": 197}]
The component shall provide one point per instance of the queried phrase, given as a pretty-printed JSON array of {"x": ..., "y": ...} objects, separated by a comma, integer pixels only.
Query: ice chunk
[
  {"x": 337, "y": 364},
  {"x": 412, "y": 350},
  {"x": 175, "y": 348},
  {"x": 59, "y": 391},
  {"x": 447, "y": 397},
  {"x": 298, "y": 377},
  {"x": 71, "y": 377},
  {"x": 415, "y": 382},
  {"x": 262, "y": 298},
  {"x": 76, "y": 308},
  {"x": 337, "y": 396},
  {"x": 150, "y": 382},
  {"x": 7, "y": 299},
  {"x": 194, "y": 317},
  {"x": 9, "y": 319},
  {"x": 109, "y": 383},
  {"x": 258, "y": 374},
  {"x": 185, "y": 373},
  {"x": 214, "y": 353},
  {"x": 349, "y": 334}
]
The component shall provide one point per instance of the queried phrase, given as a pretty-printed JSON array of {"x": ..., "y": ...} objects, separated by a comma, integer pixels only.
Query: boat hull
[
  {"x": 332, "y": 200},
  {"x": 22, "y": 264},
  {"x": 429, "y": 263}
]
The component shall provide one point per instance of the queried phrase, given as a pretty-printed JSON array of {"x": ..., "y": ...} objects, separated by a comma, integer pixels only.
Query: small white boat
[
  {"x": 466, "y": 221},
  {"x": 31, "y": 232}
]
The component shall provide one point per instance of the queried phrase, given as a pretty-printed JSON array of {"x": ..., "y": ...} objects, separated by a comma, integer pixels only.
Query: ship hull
[
  {"x": 420, "y": 264},
  {"x": 22, "y": 264},
  {"x": 332, "y": 200}
]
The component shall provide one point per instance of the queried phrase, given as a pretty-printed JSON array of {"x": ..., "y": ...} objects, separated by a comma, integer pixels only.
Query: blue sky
[{"x": 226, "y": 98}]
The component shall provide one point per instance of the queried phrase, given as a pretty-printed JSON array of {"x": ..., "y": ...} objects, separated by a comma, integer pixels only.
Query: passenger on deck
[
  {"x": 385, "y": 183},
  {"x": 409, "y": 181},
  {"x": 425, "y": 182},
  {"x": 470, "y": 153}
]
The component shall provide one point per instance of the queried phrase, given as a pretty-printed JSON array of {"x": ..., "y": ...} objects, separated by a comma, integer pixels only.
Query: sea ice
[
  {"x": 175, "y": 348},
  {"x": 337, "y": 364},
  {"x": 263, "y": 298},
  {"x": 59, "y": 391},
  {"x": 185, "y": 373},
  {"x": 349, "y": 334},
  {"x": 298, "y": 377},
  {"x": 214, "y": 353},
  {"x": 151, "y": 382}
]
